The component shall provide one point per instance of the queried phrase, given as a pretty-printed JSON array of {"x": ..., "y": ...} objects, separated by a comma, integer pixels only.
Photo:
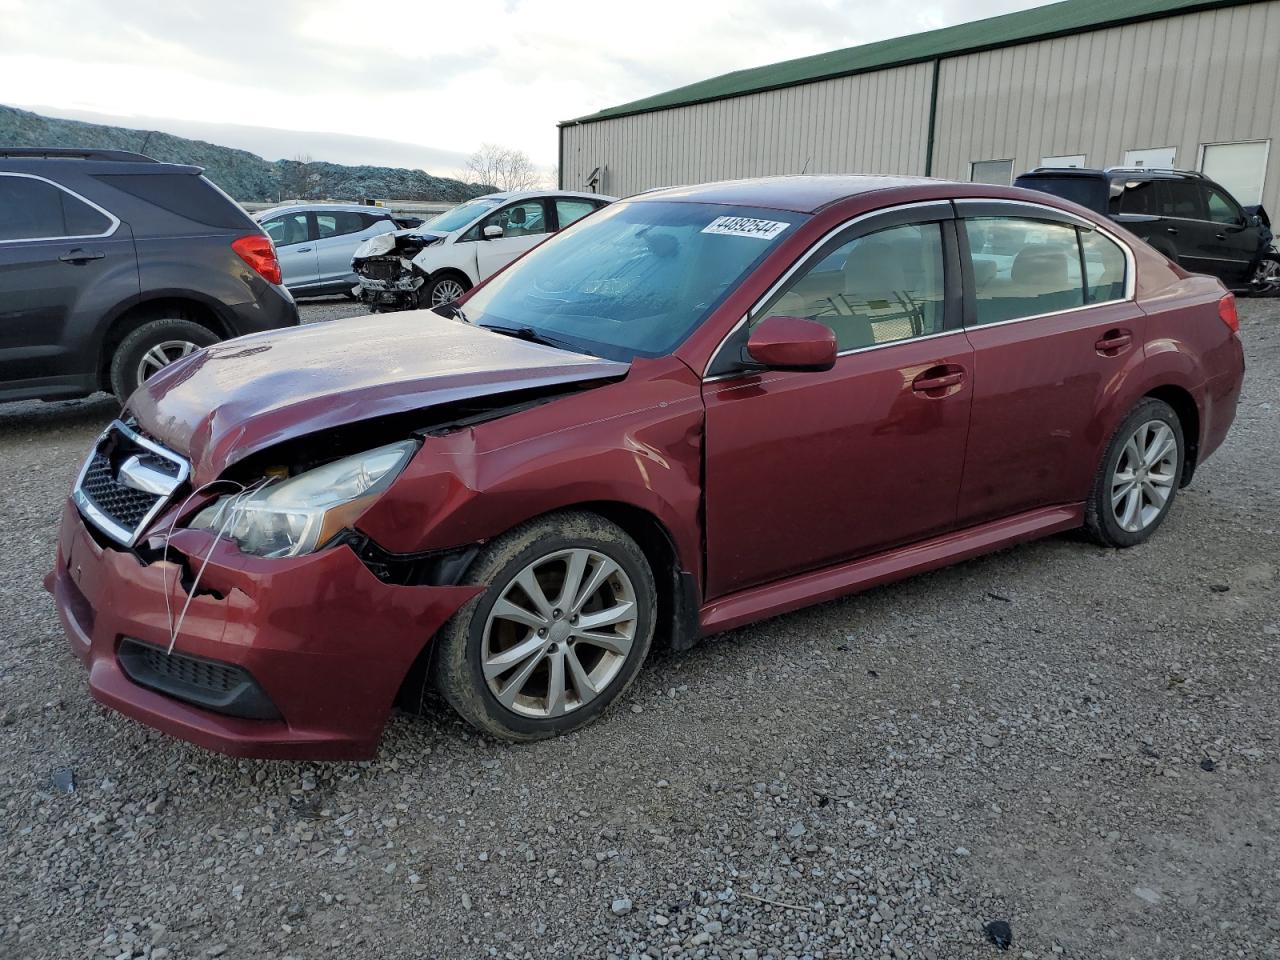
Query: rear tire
[
  {"x": 151, "y": 347},
  {"x": 524, "y": 667},
  {"x": 1138, "y": 478}
]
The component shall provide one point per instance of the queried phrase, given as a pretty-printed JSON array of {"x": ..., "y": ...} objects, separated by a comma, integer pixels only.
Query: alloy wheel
[
  {"x": 1266, "y": 278},
  {"x": 163, "y": 354},
  {"x": 1144, "y": 476},
  {"x": 559, "y": 633},
  {"x": 446, "y": 291}
]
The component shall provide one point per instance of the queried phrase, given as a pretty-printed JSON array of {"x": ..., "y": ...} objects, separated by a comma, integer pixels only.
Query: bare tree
[
  {"x": 503, "y": 167},
  {"x": 295, "y": 184}
]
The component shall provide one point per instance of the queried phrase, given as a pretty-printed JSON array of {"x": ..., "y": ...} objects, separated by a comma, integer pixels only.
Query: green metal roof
[{"x": 1038, "y": 23}]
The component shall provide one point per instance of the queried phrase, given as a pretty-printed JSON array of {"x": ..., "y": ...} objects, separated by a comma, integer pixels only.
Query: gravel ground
[{"x": 1078, "y": 741}]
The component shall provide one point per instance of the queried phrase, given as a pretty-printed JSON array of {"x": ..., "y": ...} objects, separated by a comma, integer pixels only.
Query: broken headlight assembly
[{"x": 285, "y": 518}]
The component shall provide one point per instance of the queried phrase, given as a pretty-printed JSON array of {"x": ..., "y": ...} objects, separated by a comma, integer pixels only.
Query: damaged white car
[{"x": 441, "y": 260}]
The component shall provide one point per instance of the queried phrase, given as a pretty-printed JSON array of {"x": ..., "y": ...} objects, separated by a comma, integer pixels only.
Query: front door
[
  {"x": 1049, "y": 346},
  {"x": 1234, "y": 242},
  {"x": 524, "y": 226},
  {"x": 805, "y": 470}
]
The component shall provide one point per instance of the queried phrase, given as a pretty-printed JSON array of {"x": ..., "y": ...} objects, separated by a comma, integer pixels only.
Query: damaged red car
[{"x": 691, "y": 410}]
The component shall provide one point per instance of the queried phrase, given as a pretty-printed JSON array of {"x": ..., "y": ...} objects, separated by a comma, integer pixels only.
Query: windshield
[
  {"x": 460, "y": 215},
  {"x": 634, "y": 279}
]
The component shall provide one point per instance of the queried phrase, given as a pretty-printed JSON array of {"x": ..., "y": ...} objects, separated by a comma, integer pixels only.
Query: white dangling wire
[{"x": 232, "y": 515}]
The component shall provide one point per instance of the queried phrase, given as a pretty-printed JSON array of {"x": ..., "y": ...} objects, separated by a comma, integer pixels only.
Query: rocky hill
[{"x": 244, "y": 175}]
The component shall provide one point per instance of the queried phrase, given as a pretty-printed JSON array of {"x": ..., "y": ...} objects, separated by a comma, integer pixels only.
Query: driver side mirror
[
  {"x": 492, "y": 232},
  {"x": 792, "y": 343}
]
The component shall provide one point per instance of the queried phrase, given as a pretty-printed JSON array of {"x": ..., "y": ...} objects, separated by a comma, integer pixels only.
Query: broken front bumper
[{"x": 318, "y": 645}]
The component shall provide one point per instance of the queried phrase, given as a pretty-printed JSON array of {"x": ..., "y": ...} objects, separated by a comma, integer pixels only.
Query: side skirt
[{"x": 818, "y": 586}]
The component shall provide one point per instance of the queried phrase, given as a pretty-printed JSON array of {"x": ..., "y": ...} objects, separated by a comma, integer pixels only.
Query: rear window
[
  {"x": 1089, "y": 192},
  {"x": 32, "y": 209},
  {"x": 185, "y": 195}
]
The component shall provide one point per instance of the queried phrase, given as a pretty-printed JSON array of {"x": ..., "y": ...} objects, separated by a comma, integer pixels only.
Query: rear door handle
[
  {"x": 1221, "y": 236},
  {"x": 937, "y": 380},
  {"x": 1173, "y": 230},
  {"x": 304, "y": 249},
  {"x": 81, "y": 256},
  {"x": 1112, "y": 342}
]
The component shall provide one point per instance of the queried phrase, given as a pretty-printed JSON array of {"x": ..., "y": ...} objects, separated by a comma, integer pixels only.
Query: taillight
[
  {"x": 260, "y": 253},
  {"x": 1227, "y": 311}
]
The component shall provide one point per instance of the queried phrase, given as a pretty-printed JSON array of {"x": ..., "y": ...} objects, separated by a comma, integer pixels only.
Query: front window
[
  {"x": 461, "y": 215},
  {"x": 286, "y": 229},
  {"x": 633, "y": 280}
]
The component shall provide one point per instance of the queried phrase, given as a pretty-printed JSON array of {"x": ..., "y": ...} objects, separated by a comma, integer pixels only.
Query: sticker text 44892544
[{"x": 746, "y": 227}]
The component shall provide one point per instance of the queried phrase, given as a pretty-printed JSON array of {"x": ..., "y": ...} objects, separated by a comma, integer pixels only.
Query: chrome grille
[{"x": 127, "y": 480}]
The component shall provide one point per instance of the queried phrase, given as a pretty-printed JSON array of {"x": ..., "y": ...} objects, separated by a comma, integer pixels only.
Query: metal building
[{"x": 1157, "y": 83}]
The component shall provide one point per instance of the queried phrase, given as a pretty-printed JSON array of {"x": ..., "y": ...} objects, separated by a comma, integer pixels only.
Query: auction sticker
[{"x": 745, "y": 227}]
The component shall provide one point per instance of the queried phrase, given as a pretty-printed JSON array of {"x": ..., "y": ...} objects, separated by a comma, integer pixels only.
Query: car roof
[
  {"x": 321, "y": 206},
  {"x": 1114, "y": 173},
  {"x": 798, "y": 194},
  {"x": 522, "y": 194}
]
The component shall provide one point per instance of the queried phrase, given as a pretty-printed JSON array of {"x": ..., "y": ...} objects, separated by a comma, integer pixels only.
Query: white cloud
[{"x": 444, "y": 75}]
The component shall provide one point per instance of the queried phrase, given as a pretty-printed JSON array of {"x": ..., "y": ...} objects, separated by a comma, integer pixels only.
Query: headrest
[
  {"x": 518, "y": 216},
  {"x": 873, "y": 270},
  {"x": 1040, "y": 265}
]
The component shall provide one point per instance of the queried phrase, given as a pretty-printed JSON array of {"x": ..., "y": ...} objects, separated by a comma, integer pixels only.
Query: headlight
[{"x": 298, "y": 515}]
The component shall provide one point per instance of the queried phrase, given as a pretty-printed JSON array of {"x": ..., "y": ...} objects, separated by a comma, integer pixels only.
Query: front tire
[
  {"x": 150, "y": 348},
  {"x": 1138, "y": 478},
  {"x": 443, "y": 289},
  {"x": 561, "y": 630},
  {"x": 1266, "y": 277}
]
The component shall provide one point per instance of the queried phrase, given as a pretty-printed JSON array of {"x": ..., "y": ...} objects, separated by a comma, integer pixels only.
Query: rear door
[
  {"x": 1055, "y": 331},
  {"x": 804, "y": 470},
  {"x": 63, "y": 261},
  {"x": 525, "y": 224},
  {"x": 296, "y": 248},
  {"x": 338, "y": 233}
]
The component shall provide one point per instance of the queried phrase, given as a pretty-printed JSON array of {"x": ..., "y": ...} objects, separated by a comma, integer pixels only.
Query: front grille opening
[
  {"x": 221, "y": 687},
  {"x": 110, "y": 500}
]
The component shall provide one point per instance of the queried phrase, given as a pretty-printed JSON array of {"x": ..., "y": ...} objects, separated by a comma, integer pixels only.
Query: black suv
[
  {"x": 113, "y": 265},
  {"x": 1184, "y": 215}
]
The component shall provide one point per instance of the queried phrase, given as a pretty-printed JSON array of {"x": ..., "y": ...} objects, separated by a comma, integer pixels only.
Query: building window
[
  {"x": 1067, "y": 160},
  {"x": 1152, "y": 158},
  {"x": 991, "y": 171},
  {"x": 1240, "y": 167}
]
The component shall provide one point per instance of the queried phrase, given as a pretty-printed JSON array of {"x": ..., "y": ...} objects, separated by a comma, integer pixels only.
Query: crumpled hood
[{"x": 241, "y": 396}]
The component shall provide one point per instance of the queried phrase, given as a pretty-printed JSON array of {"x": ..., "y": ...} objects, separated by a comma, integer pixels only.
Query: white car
[
  {"x": 448, "y": 255},
  {"x": 315, "y": 241}
]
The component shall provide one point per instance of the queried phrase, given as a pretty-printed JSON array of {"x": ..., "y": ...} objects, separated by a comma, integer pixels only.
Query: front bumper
[{"x": 326, "y": 641}]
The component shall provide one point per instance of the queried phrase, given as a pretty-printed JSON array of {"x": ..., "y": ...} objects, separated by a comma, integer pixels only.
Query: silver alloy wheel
[
  {"x": 163, "y": 354},
  {"x": 1266, "y": 278},
  {"x": 559, "y": 633},
  {"x": 446, "y": 291},
  {"x": 1144, "y": 476}
]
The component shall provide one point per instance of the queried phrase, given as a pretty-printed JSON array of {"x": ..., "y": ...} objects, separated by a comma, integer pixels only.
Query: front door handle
[
  {"x": 81, "y": 256},
  {"x": 1173, "y": 230},
  {"x": 1113, "y": 342},
  {"x": 1221, "y": 236},
  {"x": 939, "y": 381}
]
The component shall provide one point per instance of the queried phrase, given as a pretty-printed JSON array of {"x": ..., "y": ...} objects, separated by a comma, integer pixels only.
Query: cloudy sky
[{"x": 406, "y": 82}]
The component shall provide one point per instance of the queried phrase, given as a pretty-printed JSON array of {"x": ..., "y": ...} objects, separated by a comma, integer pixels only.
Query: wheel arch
[
  {"x": 130, "y": 316},
  {"x": 1184, "y": 405}
]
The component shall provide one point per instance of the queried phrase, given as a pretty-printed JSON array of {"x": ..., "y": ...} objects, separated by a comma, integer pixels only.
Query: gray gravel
[{"x": 1079, "y": 741}]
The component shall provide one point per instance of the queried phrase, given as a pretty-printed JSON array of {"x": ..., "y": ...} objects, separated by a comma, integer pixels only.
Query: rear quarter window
[
  {"x": 185, "y": 195},
  {"x": 1089, "y": 192}
]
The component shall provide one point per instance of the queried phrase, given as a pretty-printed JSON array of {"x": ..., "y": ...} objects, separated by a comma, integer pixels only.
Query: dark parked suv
[
  {"x": 1186, "y": 216},
  {"x": 112, "y": 265}
]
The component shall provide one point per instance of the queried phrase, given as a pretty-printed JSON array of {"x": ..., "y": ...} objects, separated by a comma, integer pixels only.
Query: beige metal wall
[
  {"x": 870, "y": 123},
  {"x": 1179, "y": 82}
]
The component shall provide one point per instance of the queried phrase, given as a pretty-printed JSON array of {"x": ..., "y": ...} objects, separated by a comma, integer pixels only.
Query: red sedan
[{"x": 691, "y": 410}]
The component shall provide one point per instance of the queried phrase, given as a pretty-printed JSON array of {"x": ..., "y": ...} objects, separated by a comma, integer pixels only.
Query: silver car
[{"x": 315, "y": 242}]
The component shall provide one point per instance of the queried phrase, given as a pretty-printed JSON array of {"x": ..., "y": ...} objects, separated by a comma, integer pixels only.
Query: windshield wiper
[
  {"x": 532, "y": 335},
  {"x": 455, "y": 311}
]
